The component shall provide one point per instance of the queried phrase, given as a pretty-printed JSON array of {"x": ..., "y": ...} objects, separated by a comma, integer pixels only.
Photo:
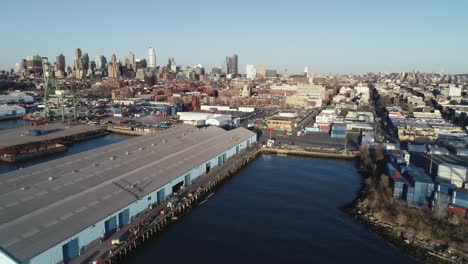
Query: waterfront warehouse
[{"x": 51, "y": 212}]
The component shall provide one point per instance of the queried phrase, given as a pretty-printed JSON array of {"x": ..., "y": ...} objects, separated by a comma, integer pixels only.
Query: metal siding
[{"x": 5, "y": 259}]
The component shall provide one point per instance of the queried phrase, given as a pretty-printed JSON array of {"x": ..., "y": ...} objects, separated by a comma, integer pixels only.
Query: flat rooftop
[
  {"x": 17, "y": 136},
  {"x": 37, "y": 213}
]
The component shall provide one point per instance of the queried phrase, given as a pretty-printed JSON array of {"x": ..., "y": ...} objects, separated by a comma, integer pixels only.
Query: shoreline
[
  {"x": 417, "y": 248},
  {"x": 410, "y": 245}
]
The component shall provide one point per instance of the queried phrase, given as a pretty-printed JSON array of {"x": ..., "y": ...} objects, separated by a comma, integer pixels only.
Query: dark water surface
[
  {"x": 73, "y": 149},
  {"x": 276, "y": 210}
]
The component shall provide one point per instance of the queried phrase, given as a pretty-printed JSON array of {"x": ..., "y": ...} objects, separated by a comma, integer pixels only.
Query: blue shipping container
[
  {"x": 445, "y": 187},
  {"x": 460, "y": 194},
  {"x": 460, "y": 202}
]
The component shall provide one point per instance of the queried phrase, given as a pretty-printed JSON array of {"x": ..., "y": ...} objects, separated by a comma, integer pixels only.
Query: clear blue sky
[{"x": 332, "y": 36}]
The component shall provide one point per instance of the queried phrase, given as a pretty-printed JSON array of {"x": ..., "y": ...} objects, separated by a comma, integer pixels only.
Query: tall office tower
[
  {"x": 60, "y": 61},
  {"x": 306, "y": 72},
  {"x": 261, "y": 72},
  {"x": 151, "y": 58},
  {"x": 172, "y": 65},
  {"x": 101, "y": 62},
  {"x": 130, "y": 61},
  {"x": 78, "y": 59},
  {"x": 225, "y": 66},
  {"x": 85, "y": 62},
  {"x": 250, "y": 71},
  {"x": 34, "y": 64},
  {"x": 233, "y": 66},
  {"x": 113, "y": 68},
  {"x": 140, "y": 64}
]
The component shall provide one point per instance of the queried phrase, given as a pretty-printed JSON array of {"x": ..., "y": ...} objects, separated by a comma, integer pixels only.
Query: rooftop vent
[
  {"x": 112, "y": 158},
  {"x": 127, "y": 153},
  {"x": 141, "y": 148},
  {"x": 51, "y": 178},
  {"x": 152, "y": 144},
  {"x": 96, "y": 164},
  {"x": 164, "y": 140},
  {"x": 24, "y": 188},
  {"x": 76, "y": 171}
]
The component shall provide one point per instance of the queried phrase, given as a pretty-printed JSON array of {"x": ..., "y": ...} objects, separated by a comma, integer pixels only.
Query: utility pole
[{"x": 430, "y": 166}]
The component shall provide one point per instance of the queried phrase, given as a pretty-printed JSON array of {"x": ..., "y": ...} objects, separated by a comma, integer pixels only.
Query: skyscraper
[
  {"x": 151, "y": 58},
  {"x": 85, "y": 62},
  {"x": 78, "y": 59},
  {"x": 250, "y": 71},
  {"x": 60, "y": 61},
  {"x": 113, "y": 68},
  {"x": 130, "y": 61},
  {"x": 261, "y": 72},
  {"x": 101, "y": 62},
  {"x": 233, "y": 65}
]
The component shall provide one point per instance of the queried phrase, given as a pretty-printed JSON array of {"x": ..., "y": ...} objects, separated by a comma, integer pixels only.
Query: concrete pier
[{"x": 151, "y": 222}]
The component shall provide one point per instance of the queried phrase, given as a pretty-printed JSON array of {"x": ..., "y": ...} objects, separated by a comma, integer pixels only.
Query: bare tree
[{"x": 440, "y": 206}]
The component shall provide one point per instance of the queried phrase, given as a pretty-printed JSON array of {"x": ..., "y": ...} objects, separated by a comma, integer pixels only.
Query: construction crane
[
  {"x": 48, "y": 83},
  {"x": 50, "y": 86}
]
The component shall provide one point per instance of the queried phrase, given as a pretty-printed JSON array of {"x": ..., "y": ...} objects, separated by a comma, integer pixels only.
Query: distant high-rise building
[
  {"x": 261, "y": 73},
  {"x": 285, "y": 73},
  {"x": 172, "y": 65},
  {"x": 151, "y": 58},
  {"x": 113, "y": 68},
  {"x": 34, "y": 64},
  {"x": 85, "y": 62},
  {"x": 306, "y": 72},
  {"x": 101, "y": 62},
  {"x": 60, "y": 61},
  {"x": 233, "y": 64},
  {"x": 250, "y": 71},
  {"x": 130, "y": 61},
  {"x": 271, "y": 73},
  {"x": 140, "y": 64},
  {"x": 78, "y": 59}
]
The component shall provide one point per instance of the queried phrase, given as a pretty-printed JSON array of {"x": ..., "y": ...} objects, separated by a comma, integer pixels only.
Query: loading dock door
[
  {"x": 188, "y": 179},
  {"x": 160, "y": 196},
  {"x": 110, "y": 226},
  {"x": 124, "y": 217},
  {"x": 237, "y": 150},
  {"x": 208, "y": 167},
  {"x": 70, "y": 250},
  {"x": 176, "y": 187}
]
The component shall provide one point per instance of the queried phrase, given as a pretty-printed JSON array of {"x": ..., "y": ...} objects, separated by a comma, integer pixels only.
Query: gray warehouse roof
[{"x": 45, "y": 204}]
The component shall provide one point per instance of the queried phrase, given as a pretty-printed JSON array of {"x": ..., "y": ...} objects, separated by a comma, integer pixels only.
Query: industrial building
[
  {"x": 51, "y": 212},
  {"x": 11, "y": 110}
]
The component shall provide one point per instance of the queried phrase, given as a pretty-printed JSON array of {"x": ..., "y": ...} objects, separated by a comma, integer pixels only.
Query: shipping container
[
  {"x": 339, "y": 127},
  {"x": 312, "y": 129},
  {"x": 422, "y": 183},
  {"x": 34, "y": 132},
  {"x": 461, "y": 194},
  {"x": 445, "y": 187},
  {"x": 457, "y": 210},
  {"x": 327, "y": 128},
  {"x": 338, "y": 136},
  {"x": 460, "y": 202}
]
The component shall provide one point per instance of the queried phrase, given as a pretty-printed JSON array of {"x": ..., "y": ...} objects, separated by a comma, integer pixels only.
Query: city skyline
[{"x": 337, "y": 37}]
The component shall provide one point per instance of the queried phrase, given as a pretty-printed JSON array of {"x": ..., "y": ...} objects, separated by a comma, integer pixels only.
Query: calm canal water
[
  {"x": 73, "y": 149},
  {"x": 276, "y": 210}
]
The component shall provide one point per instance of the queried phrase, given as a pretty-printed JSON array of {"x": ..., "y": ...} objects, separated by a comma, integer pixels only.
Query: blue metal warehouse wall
[{"x": 91, "y": 234}]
